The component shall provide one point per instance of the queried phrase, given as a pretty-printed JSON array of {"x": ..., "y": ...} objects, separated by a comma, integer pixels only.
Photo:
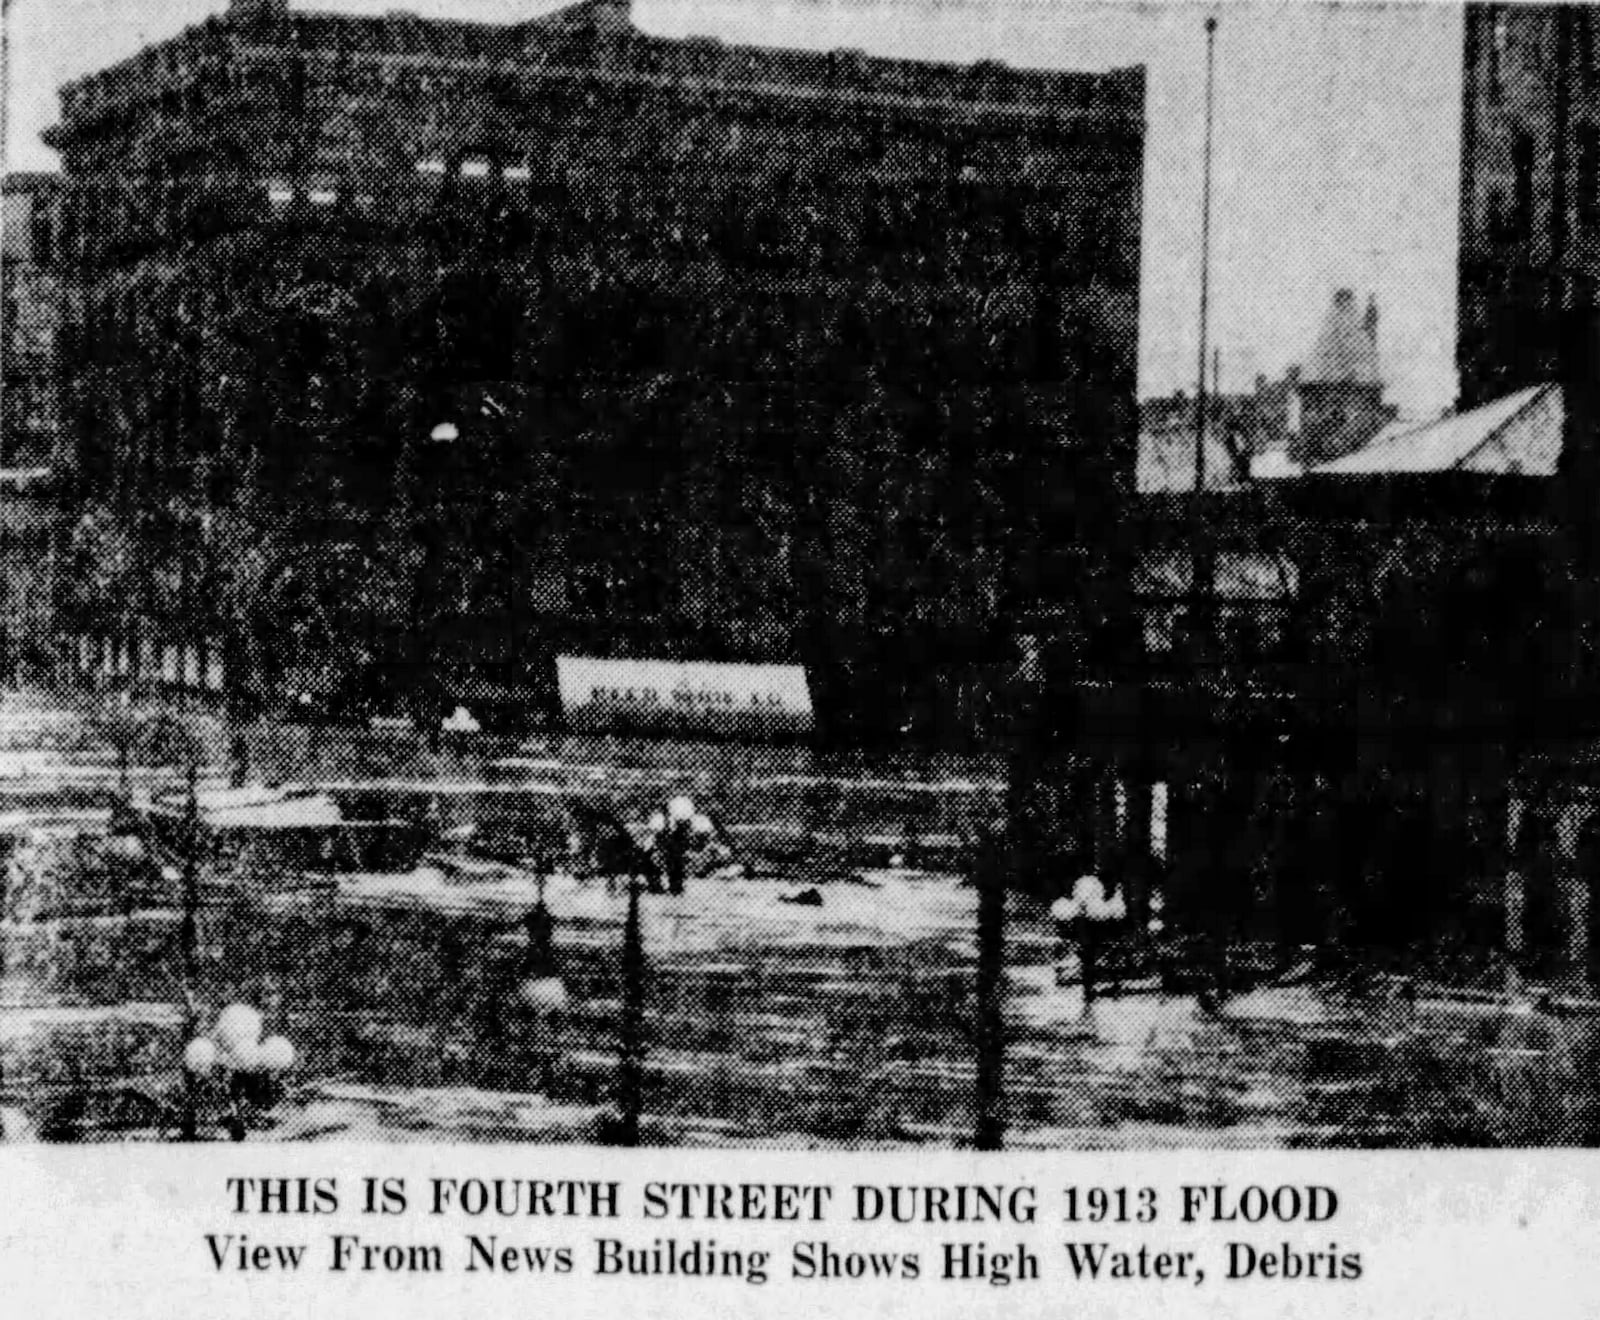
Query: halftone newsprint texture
[{"x": 853, "y": 574}]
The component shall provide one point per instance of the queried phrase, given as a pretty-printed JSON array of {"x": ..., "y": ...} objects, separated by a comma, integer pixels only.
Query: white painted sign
[{"x": 665, "y": 695}]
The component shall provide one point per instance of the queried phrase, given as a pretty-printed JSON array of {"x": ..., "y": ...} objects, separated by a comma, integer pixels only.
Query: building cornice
[{"x": 837, "y": 81}]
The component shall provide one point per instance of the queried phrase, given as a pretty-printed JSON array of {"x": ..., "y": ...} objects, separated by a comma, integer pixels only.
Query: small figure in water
[{"x": 600, "y": 844}]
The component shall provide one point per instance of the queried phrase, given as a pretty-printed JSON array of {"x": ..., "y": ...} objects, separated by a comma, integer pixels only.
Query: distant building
[
  {"x": 1323, "y": 410},
  {"x": 31, "y": 443},
  {"x": 1338, "y": 403}
]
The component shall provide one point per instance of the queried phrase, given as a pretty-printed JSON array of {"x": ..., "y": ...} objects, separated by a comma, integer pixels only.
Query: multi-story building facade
[
  {"x": 1530, "y": 193},
  {"x": 31, "y": 447},
  {"x": 405, "y": 348},
  {"x": 1529, "y": 316},
  {"x": 32, "y": 315}
]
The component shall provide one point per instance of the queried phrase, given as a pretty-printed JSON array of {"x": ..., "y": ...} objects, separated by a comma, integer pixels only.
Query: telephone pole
[{"x": 1200, "y": 556}]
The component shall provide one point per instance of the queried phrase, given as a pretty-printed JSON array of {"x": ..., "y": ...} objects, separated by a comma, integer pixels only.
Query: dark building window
[
  {"x": 1496, "y": 221},
  {"x": 1499, "y": 38},
  {"x": 1522, "y": 174},
  {"x": 43, "y": 239},
  {"x": 1589, "y": 49},
  {"x": 1588, "y": 185}
]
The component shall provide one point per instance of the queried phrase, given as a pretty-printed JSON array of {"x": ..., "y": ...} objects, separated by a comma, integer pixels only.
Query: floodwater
[{"x": 826, "y": 997}]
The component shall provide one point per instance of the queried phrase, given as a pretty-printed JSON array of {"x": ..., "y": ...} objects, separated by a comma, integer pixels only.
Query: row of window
[
  {"x": 888, "y": 163},
  {"x": 1546, "y": 52},
  {"x": 476, "y": 167},
  {"x": 281, "y": 194},
  {"x": 1023, "y": 221},
  {"x": 1520, "y": 225},
  {"x": 198, "y": 668},
  {"x": 1579, "y": 44},
  {"x": 787, "y": 228}
]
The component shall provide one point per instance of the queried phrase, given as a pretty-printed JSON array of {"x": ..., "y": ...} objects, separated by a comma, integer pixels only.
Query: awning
[{"x": 1519, "y": 435}]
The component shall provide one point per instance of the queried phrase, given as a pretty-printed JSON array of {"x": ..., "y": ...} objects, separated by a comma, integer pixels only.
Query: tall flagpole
[{"x": 1201, "y": 398}]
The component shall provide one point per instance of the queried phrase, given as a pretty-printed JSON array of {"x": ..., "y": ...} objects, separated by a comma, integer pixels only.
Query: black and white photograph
[{"x": 824, "y": 575}]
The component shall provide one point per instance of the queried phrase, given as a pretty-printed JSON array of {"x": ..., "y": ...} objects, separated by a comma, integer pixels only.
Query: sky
[{"x": 1337, "y": 136}]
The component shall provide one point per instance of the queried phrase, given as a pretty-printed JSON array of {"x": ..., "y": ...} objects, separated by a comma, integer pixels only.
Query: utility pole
[
  {"x": 990, "y": 873},
  {"x": 630, "y": 1061},
  {"x": 1205, "y": 261},
  {"x": 1201, "y": 559},
  {"x": 189, "y": 939}
]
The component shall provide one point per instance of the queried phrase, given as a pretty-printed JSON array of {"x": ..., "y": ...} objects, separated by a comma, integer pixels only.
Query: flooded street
[{"x": 823, "y": 992}]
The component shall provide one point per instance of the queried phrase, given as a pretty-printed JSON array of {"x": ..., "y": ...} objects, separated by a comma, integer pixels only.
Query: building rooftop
[
  {"x": 1519, "y": 435},
  {"x": 567, "y": 38}
]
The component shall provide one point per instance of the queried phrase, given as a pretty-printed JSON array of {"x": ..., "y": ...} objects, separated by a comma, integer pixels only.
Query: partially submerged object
[{"x": 276, "y": 836}]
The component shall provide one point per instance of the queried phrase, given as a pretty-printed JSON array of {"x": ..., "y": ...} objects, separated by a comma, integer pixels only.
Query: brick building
[
  {"x": 410, "y": 351},
  {"x": 31, "y": 448},
  {"x": 1529, "y": 301},
  {"x": 1530, "y": 192}
]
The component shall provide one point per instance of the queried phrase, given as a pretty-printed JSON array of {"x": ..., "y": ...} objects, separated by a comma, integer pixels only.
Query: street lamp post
[
  {"x": 678, "y": 834},
  {"x": 991, "y": 867},
  {"x": 441, "y": 437},
  {"x": 190, "y": 841},
  {"x": 542, "y": 991},
  {"x": 239, "y": 1066},
  {"x": 1202, "y": 560},
  {"x": 631, "y": 1044}
]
